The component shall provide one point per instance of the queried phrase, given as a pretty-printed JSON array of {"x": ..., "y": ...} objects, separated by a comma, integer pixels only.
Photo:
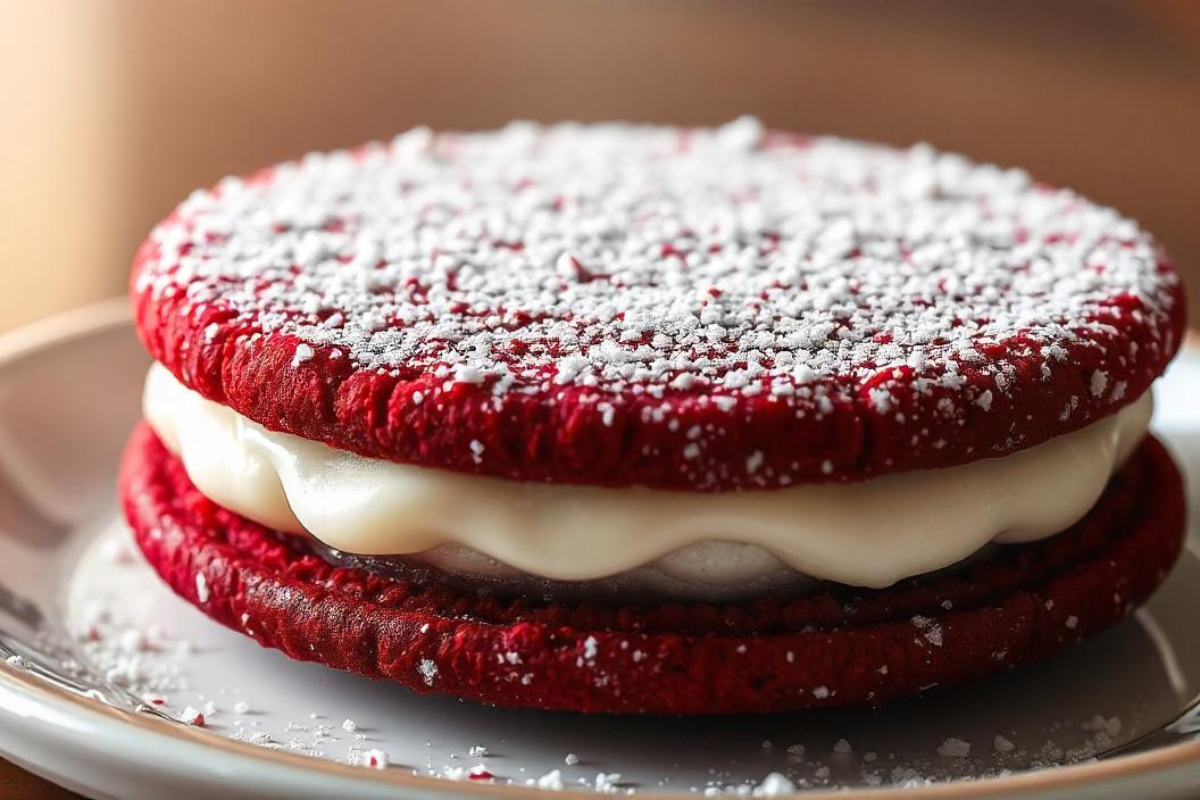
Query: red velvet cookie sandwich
[{"x": 622, "y": 418}]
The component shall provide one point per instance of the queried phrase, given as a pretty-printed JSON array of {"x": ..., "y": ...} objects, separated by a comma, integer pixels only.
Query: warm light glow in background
[{"x": 112, "y": 110}]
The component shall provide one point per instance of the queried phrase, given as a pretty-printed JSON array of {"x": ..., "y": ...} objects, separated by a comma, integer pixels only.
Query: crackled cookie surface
[{"x": 692, "y": 309}]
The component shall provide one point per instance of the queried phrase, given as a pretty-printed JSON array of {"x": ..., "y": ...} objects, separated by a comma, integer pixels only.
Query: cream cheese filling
[{"x": 871, "y": 533}]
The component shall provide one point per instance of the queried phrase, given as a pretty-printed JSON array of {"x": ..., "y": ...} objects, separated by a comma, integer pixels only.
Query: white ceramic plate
[{"x": 90, "y": 635}]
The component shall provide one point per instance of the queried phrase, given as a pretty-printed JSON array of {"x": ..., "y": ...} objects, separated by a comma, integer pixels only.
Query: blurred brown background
[{"x": 112, "y": 110}]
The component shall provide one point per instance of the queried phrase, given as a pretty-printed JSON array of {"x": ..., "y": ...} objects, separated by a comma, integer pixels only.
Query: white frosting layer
[{"x": 872, "y": 533}]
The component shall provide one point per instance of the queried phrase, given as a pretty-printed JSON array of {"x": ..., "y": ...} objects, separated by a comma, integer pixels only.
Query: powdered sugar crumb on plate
[{"x": 954, "y": 748}]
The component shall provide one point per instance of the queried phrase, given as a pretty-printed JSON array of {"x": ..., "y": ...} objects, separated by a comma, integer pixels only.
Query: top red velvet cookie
[{"x": 692, "y": 309}]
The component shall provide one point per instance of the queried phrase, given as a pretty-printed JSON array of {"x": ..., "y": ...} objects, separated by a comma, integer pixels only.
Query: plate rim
[{"x": 24, "y": 697}]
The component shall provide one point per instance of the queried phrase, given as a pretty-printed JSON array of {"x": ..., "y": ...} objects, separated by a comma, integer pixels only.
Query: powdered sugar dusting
[
  {"x": 428, "y": 671},
  {"x": 201, "y": 588},
  {"x": 645, "y": 268}
]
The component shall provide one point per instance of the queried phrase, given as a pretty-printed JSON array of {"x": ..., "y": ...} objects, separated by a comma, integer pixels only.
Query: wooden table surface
[{"x": 17, "y": 784}]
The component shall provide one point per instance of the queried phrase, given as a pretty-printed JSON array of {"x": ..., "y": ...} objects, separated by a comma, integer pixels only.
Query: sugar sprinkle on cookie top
[{"x": 637, "y": 268}]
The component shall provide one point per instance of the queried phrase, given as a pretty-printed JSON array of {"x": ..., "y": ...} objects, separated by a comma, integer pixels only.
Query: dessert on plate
[{"x": 619, "y": 418}]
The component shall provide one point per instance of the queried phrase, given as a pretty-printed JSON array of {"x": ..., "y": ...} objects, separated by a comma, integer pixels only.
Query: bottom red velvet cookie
[{"x": 839, "y": 646}]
